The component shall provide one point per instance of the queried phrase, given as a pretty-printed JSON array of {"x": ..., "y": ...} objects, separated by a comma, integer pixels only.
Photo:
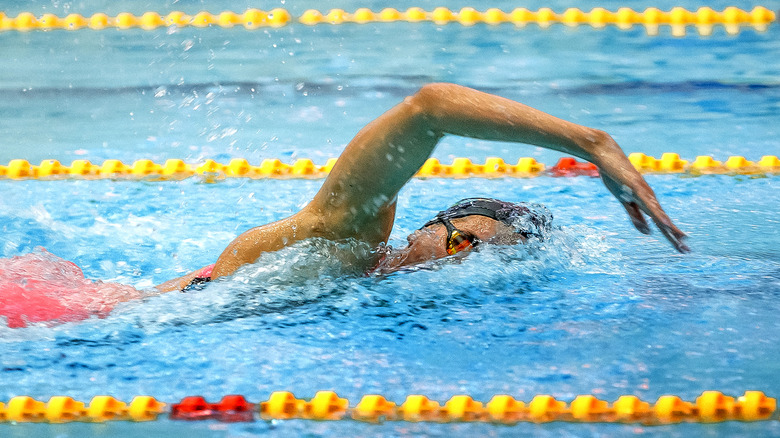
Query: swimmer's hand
[{"x": 628, "y": 186}]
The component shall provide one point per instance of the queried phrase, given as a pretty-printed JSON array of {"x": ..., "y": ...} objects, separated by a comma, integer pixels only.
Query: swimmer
[{"x": 358, "y": 198}]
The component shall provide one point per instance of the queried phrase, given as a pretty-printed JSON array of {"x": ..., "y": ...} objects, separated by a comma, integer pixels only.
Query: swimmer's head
[{"x": 468, "y": 224}]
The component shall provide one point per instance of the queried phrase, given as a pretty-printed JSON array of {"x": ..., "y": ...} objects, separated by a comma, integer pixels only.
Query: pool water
[{"x": 596, "y": 309}]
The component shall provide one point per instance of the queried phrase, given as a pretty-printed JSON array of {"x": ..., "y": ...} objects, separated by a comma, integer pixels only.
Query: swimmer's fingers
[
  {"x": 636, "y": 216},
  {"x": 640, "y": 198},
  {"x": 645, "y": 199},
  {"x": 668, "y": 229},
  {"x": 673, "y": 234},
  {"x": 628, "y": 200}
]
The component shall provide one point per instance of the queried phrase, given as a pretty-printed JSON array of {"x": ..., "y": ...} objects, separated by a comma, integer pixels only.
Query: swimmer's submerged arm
[
  {"x": 386, "y": 153},
  {"x": 180, "y": 283}
]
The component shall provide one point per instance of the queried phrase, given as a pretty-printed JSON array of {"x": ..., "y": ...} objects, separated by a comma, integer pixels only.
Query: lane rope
[
  {"x": 493, "y": 167},
  {"x": 732, "y": 18},
  {"x": 709, "y": 407}
]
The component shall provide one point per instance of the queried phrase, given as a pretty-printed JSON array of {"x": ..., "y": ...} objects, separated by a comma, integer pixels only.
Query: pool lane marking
[
  {"x": 704, "y": 18},
  {"x": 709, "y": 407},
  {"x": 493, "y": 167}
]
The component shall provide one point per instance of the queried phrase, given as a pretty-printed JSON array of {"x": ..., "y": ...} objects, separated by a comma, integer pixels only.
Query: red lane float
[
  {"x": 568, "y": 166},
  {"x": 231, "y": 409}
]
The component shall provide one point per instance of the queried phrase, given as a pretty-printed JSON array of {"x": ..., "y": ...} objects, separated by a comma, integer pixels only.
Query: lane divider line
[
  {"x": 709, "y": 407},
  {"x": 493, "y": 167},
  {"x": 704, "y": 18}
]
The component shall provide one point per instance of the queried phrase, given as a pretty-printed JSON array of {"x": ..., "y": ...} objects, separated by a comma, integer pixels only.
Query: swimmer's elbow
[
  {"x": 437, "y": 89},
  {"x": 428, "y": 99}
]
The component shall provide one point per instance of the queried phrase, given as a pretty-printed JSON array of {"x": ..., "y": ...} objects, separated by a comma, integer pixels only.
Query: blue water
[{"x": 596, "y": 309}]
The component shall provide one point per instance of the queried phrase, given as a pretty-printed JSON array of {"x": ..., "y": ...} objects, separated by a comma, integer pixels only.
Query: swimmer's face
[{"x": 430, "y": 243}]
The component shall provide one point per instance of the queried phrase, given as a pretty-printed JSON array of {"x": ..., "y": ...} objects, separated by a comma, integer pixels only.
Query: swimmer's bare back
[{"x": 358, "y": 198}]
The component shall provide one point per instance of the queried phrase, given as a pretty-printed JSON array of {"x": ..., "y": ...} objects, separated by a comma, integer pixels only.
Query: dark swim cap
[{"x": 527, "y": 219}]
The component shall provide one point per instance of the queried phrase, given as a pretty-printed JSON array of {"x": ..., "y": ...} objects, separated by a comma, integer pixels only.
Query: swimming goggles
[{"x": 458, "y": 240}]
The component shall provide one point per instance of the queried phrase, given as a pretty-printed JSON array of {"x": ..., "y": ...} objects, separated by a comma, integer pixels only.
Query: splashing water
[
  {"x": 42, "y": 288},
  {"x": 317, "y": 276}
]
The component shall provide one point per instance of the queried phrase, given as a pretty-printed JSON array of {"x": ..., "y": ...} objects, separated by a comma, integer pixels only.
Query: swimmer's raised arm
[
  {"x": 359, "y": 194},
  {"x": 358, "y": 198}
]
